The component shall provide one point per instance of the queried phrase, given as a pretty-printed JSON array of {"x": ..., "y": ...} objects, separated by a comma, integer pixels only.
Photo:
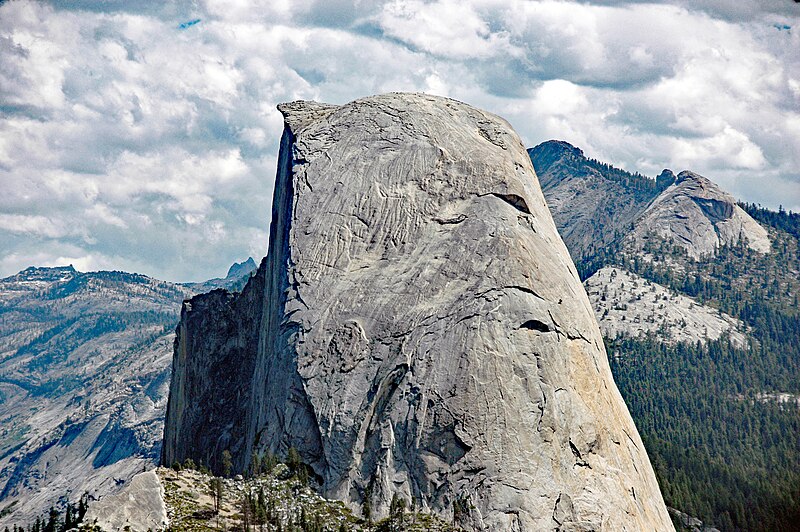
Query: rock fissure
[
  {"x": 518, "y": 202},
  {"x": 535, "y": 325}
]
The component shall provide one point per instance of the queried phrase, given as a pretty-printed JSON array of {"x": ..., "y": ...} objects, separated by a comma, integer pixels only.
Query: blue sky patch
[{"x": 184, "y": 25}]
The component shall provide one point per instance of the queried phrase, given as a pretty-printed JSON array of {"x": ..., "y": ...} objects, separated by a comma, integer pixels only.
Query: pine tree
[
  {"x": 52, "y": 521},
  {"x": 215, "y": 486},
  {"x": 227, "y": 463},
  {"x": 255, "y": 464}
]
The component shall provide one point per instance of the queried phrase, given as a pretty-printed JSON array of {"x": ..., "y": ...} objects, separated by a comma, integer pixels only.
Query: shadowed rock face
[{"x": 423, "y": 331}]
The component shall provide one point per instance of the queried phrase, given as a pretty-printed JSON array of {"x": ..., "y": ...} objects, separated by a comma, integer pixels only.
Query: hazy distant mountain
[
  {"x": 698, "y": 299},
  {"x": 237, "y": 277},
  {"x": 84, "y": 369}
]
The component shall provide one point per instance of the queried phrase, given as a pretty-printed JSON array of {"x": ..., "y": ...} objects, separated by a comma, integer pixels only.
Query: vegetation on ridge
[{"x": 274, "y": 497}]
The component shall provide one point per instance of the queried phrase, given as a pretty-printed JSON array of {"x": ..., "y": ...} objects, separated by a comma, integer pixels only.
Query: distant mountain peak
[
  {"x": 48, "y": 274},
  {"x": 553, "y": 154},
  {"x": 238, "y": 275},
  {"x": 665, "y": 179},
  {"x": 562, "y": 145},
  {"x": 239, "y": 269},
  {"x": 33, "y": 270},
  {"x": 592, "y": 202},
  {"x": 697, "y": 215}
]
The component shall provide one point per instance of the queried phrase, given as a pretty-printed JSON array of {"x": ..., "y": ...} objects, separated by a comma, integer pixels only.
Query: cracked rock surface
[{"x": 420, "y": 330}]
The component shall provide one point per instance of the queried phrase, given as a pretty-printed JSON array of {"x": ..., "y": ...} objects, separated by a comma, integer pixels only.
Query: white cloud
[
  {"x": 127, "y": 142},
  {"x": 425, "y": 25},
  {"x": 32, "y": 225}
]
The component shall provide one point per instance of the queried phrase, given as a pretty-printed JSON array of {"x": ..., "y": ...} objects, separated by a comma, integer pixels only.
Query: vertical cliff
[
  {"x": 418, "y": 329},
  {"x": 210, "y": 392}
]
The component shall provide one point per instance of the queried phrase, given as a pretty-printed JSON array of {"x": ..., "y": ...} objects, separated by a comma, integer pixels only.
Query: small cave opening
[
  {"x": 515, "y": 201},
  {"x": 535, "y": 325}
]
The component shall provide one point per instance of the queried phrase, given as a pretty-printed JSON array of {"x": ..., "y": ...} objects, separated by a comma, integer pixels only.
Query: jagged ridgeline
[{"x": 417, "y": 331}]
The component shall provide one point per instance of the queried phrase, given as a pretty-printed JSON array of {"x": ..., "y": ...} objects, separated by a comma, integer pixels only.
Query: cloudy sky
[{"x": 143, "y": 136}]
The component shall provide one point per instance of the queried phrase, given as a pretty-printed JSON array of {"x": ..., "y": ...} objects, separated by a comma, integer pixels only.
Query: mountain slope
[
  {"x": 709, "y": 411},
  {"x": 84, "y": 371},
  {"x": 626, "y": 304},
  {"x": 698, "y": 216},
  {"x": 592, "y": 204}
]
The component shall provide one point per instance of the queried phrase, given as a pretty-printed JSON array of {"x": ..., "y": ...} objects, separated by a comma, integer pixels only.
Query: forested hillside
[{"x": 723, "y": 424}]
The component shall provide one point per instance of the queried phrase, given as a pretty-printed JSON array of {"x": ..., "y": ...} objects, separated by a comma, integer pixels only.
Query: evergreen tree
[{"x": 227, "y": 463}]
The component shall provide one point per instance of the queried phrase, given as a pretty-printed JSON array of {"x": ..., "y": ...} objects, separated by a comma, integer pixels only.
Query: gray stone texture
[
  {"x": 698, "y": 216},
  {"x": 626, "y": 304},
  {"x": 138, "y": 507},
  {"x": 423, "y": 331}
]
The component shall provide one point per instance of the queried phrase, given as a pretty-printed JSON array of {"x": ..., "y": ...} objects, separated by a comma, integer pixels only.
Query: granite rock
[
  {"x": 138, "y": 507},
  {"x": 628, "y": 304},
  {"x": 421, "y": 331},
  {"x": 696, "y": 215}
]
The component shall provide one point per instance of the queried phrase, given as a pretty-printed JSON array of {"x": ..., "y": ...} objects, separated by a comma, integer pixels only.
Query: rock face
[
  {"x": 221, "y": 323},
  {"x": 421, "y": 331},
  {"x": 698, "y": 216},
  {"x": 138, "y": 507}
]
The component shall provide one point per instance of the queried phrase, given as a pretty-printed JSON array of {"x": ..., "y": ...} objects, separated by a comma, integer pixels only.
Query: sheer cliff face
[
  {"x": 214, "y": 360},
  {"x": 422, "y": 331}
]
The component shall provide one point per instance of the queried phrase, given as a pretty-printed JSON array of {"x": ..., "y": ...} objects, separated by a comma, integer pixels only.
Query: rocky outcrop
[
  {"x": 628, "y": 304},
  {"x": 219, "y": 323},
  {"x": 138, "y": 507},
  {"x": 422, "y": 332},
  {"x": 596, "y": 206},
  {"x": 689, "y": 523},
  {"x": 696, "y": 215}
]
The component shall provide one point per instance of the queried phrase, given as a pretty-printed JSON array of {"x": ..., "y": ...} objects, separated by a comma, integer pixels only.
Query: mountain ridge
[
  {"x": 84, "y": 371},
  {"x": 597, "y": 207}
]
